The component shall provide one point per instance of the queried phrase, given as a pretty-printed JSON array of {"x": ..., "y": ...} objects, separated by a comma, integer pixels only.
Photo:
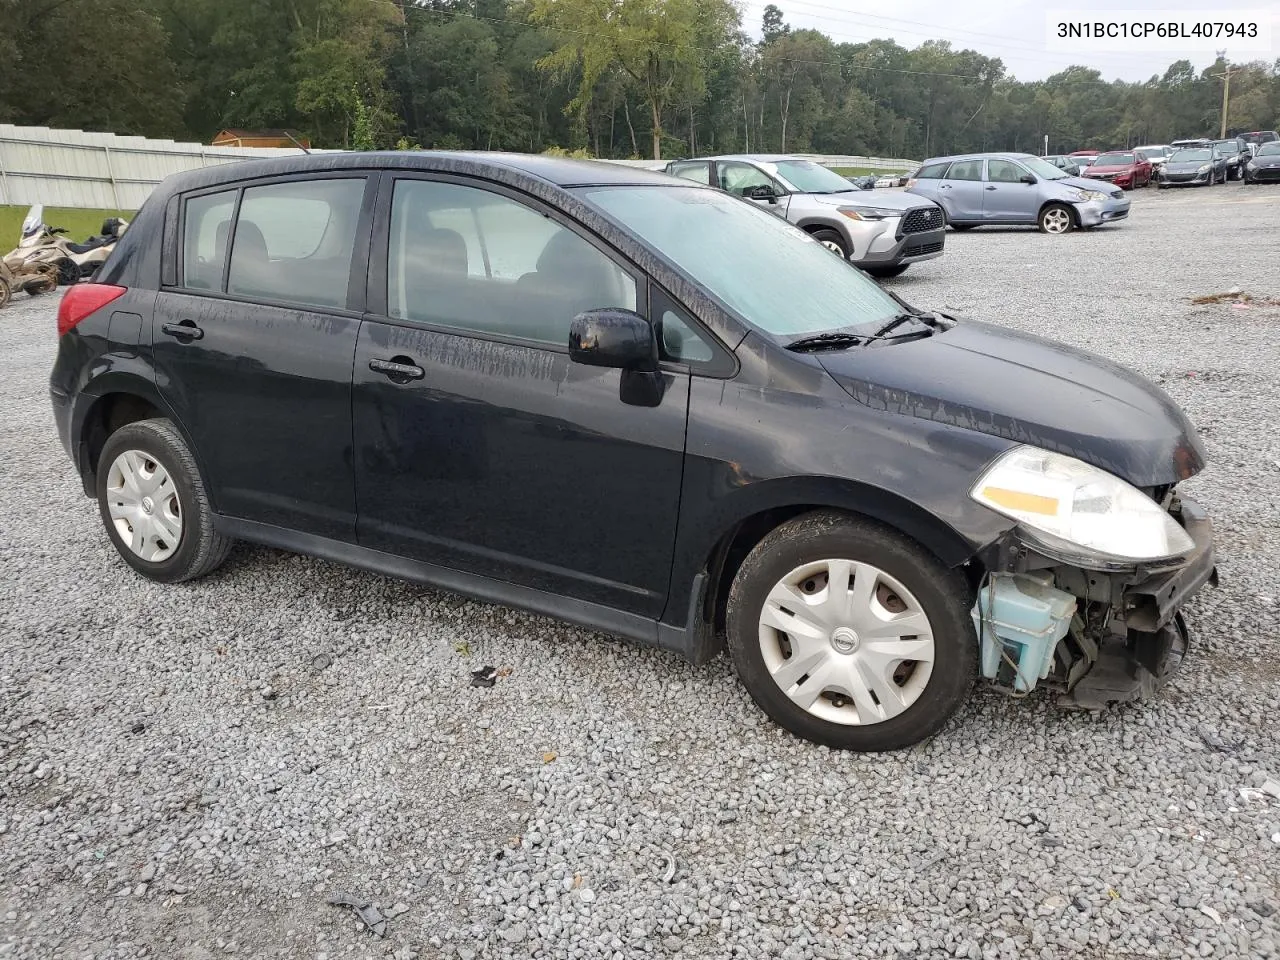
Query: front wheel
[
  {"x": 1056, "y": 218},
  {"x": 848, "y": 634},
  {"x": 68, "y": 273},
  {"x": 6, "y": 293},
  {"x": 154, "y": 506},
  {"x": 885, "y": 272},
  {"x": 832, "y": 240}
]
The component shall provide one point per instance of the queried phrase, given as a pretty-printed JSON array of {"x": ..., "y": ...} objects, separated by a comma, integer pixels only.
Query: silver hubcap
[
  {"x": 144, "y": 505},
  {"x": 846, "y": 642},
  {"x": 834, "y": 248},
  {"x": 1057, "y": 221}
]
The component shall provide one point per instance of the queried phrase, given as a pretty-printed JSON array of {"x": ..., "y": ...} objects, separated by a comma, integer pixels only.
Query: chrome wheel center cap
[
  {"x": 844, "y": 640},
  {"x": 148, "y": 506}
]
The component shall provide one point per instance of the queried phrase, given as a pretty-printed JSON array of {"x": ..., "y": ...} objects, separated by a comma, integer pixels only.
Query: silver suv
[{"x": 880, "y": 231}]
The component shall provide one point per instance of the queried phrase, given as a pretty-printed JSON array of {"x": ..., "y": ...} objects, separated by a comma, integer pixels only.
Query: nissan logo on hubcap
[{"x": 148, "y": 506}]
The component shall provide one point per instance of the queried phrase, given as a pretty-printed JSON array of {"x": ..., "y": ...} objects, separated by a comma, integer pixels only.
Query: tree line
[{"x": 608, "y": 78}]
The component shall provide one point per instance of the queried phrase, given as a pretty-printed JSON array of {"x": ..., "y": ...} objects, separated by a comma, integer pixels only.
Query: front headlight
[
  {"x": 868, "y": 213},
  {"x": 1080, "y": 196},
  {"x": 1077, "y": 511},
  {"x": 1204, "y": 169}
]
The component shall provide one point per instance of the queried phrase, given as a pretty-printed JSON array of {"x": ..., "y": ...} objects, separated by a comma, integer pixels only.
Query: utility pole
[{"x": 1226, "y": 93}]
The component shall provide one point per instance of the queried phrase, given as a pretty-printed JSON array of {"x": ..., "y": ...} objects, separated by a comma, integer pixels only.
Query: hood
[
  {"x": 1084, "y": 183},
  {"x": 888, "y": 199},
  {"x": 1113, "y": 168},
  {"x": 1029, "y": 390},
  {"x": 1270, "y": 160},
  {"x": 1185, "y": 166}
]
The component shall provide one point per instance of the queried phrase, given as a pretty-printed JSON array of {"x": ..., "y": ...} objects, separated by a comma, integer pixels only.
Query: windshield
[
  {"x": 1043, "y": 170},
  {"x": 1228, "y": 146},
  {"x": 1269, "y": 150},
  {"x": 1190, "y": 156},
  {"x": 34, "y": 221},
  {"x": 775, "y": 276},
  {"x": 1114, "y": 160},
  {"x": 809, "y": 177}
]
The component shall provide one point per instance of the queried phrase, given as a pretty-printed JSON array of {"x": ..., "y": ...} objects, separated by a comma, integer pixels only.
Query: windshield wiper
[
  {"x": 825, "y": 341},
  {"x": 928, "y": 319}
]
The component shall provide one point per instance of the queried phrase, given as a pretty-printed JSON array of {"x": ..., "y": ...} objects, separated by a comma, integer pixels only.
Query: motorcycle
[
  {"x": 24, "y": 269},
  {"x": 42, "y": 244}
]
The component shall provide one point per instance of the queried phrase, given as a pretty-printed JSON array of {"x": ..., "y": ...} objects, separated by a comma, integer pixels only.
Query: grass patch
[{"x": 81, "y": 224}]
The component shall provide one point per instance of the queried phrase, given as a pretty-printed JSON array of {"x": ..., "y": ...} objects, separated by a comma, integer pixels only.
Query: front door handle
[
  {"x": 990, "y": 188},
  {"x": 398, "y": 369},
  {"x": 944, "y": 186},
  {"x": 186, "y": 330}
]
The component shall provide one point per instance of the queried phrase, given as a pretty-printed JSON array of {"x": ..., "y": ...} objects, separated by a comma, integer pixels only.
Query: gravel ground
[{"x": 190, "y": 771}]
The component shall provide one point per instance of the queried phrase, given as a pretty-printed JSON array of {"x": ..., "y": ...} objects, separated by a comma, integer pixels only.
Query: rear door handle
[
  {"x": 398, "y": 369},
  {"x": 944, "y": 186},
  {"x": 990, "y": 188},
  {"x": 186, "y": 330}
]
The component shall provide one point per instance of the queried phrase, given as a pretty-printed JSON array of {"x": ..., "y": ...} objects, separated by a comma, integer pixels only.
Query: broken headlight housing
[{"x": 1077, "y": 512}]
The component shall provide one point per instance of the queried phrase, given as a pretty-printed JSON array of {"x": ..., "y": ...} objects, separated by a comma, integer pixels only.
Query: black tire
[
  {"x": 826, "y": 236},
  {"x": 885, "y": 272},
  {"x": 68, "y": 273},
  {"x": 943, "y": 595},
  {"x": 201, "y": 549},
  {"x": 1043, "y": 219}
]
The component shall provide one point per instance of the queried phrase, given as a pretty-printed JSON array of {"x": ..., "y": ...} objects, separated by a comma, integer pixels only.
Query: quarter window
[
  {"x": 472, "y": 260},
  {"x": 293, "y": 241},
  {"x": 932, "y": 171},
  {"x": 965, "y": 170},
  {"x": 204, "y": 239}
]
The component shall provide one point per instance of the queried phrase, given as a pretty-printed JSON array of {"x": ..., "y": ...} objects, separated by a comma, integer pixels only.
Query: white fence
[{"x": 72, "y": 168}]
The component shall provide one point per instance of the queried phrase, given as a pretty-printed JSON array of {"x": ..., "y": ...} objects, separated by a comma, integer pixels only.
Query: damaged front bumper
[{"x": 1125, "y": 635}]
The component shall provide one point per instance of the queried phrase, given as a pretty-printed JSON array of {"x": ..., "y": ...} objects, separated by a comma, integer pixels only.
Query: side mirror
[
  {"x": 762, "y": 191},
  {"x": 1027, "y": 178},
  {"x": 613, "y": 337}
]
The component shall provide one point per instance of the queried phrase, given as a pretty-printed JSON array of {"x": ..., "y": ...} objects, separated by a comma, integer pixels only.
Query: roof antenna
[{"x": 296, "y": 143}]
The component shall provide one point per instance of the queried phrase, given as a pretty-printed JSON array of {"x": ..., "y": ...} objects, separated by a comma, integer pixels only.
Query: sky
[{"x": 1013, "y": 30}]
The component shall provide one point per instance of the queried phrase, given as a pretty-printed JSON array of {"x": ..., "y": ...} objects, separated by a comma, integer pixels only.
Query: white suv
[{"x": 881, "y": 231}]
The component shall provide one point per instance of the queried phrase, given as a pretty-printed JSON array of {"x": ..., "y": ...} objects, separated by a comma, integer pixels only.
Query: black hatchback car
[{"x": 637, "y": 404}]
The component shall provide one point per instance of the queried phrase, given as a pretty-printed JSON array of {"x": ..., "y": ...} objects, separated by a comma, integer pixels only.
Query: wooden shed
[{"x": 260, "y": 138}]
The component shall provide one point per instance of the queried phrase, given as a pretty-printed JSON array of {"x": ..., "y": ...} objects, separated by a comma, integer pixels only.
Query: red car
[{"x": 1127, "y": 170}]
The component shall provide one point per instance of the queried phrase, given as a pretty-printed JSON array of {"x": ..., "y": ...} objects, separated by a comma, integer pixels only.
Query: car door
[
  {"x": 253, "y": 339},
  {"x": 960, "y": 192},
  {"x": 1142, "y": 173},
  {"x": 479, "y": 445},
  {"x": 740, "y": 179},
  {"x": 1007, "y": 198}
]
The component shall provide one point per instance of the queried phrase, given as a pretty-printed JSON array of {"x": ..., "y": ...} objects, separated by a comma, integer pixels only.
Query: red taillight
[{"x": 84, "y": 299}]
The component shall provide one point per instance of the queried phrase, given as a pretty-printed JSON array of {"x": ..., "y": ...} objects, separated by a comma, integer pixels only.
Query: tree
[
  {"x": 773, "y": 26},
  {"x": 654, "y": 42}
]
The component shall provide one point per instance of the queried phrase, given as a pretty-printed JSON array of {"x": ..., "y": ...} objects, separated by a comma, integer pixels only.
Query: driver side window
[
  {"x": 1002, "y": 171},
  {"x": 737, "y": 177}
]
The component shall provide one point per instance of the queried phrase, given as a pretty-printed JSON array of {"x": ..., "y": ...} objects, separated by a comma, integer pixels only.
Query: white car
[{"x": 1156, "y": 153}]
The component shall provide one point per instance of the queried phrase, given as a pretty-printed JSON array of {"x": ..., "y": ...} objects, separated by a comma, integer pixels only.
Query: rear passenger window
[
  {"x": 965, "y": 170},
  {"x": 699, "y": 171},
  {"x": 293, "y": 241},
  {"x": 469, "y": 259},
  {"x": 204, "y": 239}
]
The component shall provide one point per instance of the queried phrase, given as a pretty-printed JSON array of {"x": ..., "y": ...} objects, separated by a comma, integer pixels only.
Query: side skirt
[{"x": 691, "y": 640}]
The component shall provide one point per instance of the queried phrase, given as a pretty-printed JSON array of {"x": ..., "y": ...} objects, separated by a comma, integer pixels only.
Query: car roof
[
  {"x": 757, "y": 157},
  {"x": 516, "y": 168},
  {"x": 983, "y": 156}
]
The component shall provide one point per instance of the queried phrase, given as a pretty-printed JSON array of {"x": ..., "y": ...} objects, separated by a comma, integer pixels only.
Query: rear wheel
[
  {"x": 849, "y": 634},
  {"x": 154, "y": 506},
  {"x": 832, "y": 240},
  {"x": 1056, "y": 218}
]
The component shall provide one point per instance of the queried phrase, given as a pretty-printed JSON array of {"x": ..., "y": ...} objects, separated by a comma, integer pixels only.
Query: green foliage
[
  {"x": 608, "y": 78},
  {"x": 581, "y": 153}
]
